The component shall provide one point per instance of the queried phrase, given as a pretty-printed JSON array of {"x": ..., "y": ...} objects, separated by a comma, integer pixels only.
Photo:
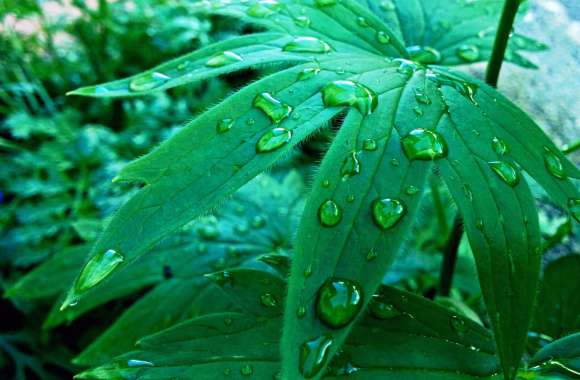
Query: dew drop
[
  {"x": 362, "y": 22},
  {"x": 339, "y": 302},
  {"x": 411, "y": 190},
  {"x": 273, "y": 140},
  {"x": 223, "y": 59},
  {"x": 350, "y": 198},
  {"x": 307, "y": 45},
  {"x": 208, "y": 232},
  {"x": 350, "y": 166},
  {"x": 506, "y": 172},
  {"x": 301, "y": 312},
  {"x": 423, "y": 144},
  {"x": 148, "y": 81},
  {"x": 325, "y": 3},
  {"x": 258, "y": 221},
  {"x": 308, "y": 271},
  {"x": 268, "y": 300},
  {"x": 308, "y": 73},
  {"x": 406, "y": 67},
  {"x": 99, "y": 267},
  {"x": 422, "y": 97},
  {"x": 326, "y": 183},
  {"x": 381, "y": 309},
  {"x": 264, "y": 9},
  {"x": 370, "y": 145},
  {"x": 314, "y": 355},
  {"x": 329, "y": 214},
  {"x": 468, "y": 52},
  {"x": 302, "y": 21},
  {"x": 554, "y": 164},
  {"x": 458, "y": 325},
  {"x": 424, "y": 54},
  {"x": 499, "y": 146},
  {"x": 372, "y": 255},
  {"x": 275, "y": 109},
  {"x": 347, "y": 93},
  {"x": 225, "y": 125},
  {"x": 247, "y": 370},
  {"x": 388, "y": 212},
  {"x": 383, "y": 37}
]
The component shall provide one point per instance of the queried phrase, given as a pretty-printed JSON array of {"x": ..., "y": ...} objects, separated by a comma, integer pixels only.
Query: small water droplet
[
  {"x": 499, "y": 146},
  {"x": 370, "y": 145},
  {"x": 225, "y": 125},
  {"x": 388, "y": 212},
  {"x": 302, "y": 21},
  {"x": 458, "y": 325},
  {"x": 406, "y": 67},
  {"x": 506, "y": 172},
  {"x": 308, "y": 73},
  {"x": 258, "y": 221},
  {"x": 268, "y": 300},
  {"x": 383, "y": 37},
  {"x": 350, "y": 198},
  {"x": 273, "y": 140},
  {"x": 362, "y": 22},
  {"x": 350, "y": 166},
  {"x": 395, "y": 162},
  {"x": 307, "y": 45},
  {"x": 301, "y": 312},
  {"x": 314, "y": 355},
  {"x": 329, "y": 214},
  {"x": 275, "y": 109},
  {"x": 381, "y": 309},
  {"x": 99, "y": 267},
  {"x": 308, "y": 271},
  {"x": 326, "y": 183},
  {"x": 422, "y": 97},
  {"x": 339, "y": 302},
  {"x": 223, "y": 59},
  {"x": 554, "y": 164},
  {"x": 148, "y": 81},
  {"x": 424, "y": 54},
  {"x": 468, "y": 52},
  {"x": 479, "y": 224},
  {"x": 247, "y": 370},
  {"x": 411, "y": 190},
  {"x": 423, "y": 144},
  {"x": 347, "y": 93},
  {"x": 468, "y": 192}
]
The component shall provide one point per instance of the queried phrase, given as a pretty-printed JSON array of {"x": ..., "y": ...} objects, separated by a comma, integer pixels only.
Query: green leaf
[
  {"x": 259, "y": 219},
  {"x": 356, "y": 248},
  {"x": 199, "y": 166},
  {"x": 459, "y": 32},
  {"x": 345, "y": 21},
  {"x": 417, "y": 340},
  {"x": 561, "y": 357},
  {"x": 558, "y": 307}
]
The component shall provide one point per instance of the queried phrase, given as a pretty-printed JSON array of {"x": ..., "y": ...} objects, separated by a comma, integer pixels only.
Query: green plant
[{"x": 377, "y": 70}]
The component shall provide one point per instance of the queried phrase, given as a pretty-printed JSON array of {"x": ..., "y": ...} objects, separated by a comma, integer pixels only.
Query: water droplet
[
  {"x": 339, "y": 301},
  {"x": 350, "y": 166},
  {"x": 423, "y": 144},
  {"x": 466, "y": 89},
  {"x": 326, "y": 183},
  {"x": 372, "y": 254},
  {"x": 325, "y": 3},
  {"x": 424, "y": 54},
  {"x": 479, "y": 224},
  {"x": 258, "y": 221},
  {"x": 468, "y": 52},
  {"x": 499, "y": 146},
  {"x": 222, "y": 59},
  {"x": 302, "y": 21},
  {"x": 406, "y": 67},
  {"x": 388, "y": 5},
  {"x": 308, "y": 73},
  {"x": 301, "y": 312},
  {"x": 275, "y": 109},
  {"x": 388, "y": 212},
  {"x": 383, "y": 37},
  {"x": 506, "y": 172},
  {"x": 139, "y": 363},
  {"x": 422, "y": 97},
  {"x": 268, "y": 300},
  {"x": 395, "y": 162},
  {"x": 350, "y": 198},
  {"x": 247, "y": 370},
  {"x": 370, "y": 145},
  {"x": 314, "y": 355},
  {"x": 381, "y": 309},
  {"x": 97, "y": 269},
  {"x": 308, "y": 271},
  {"x": 264, "y": 9},
  {"x": 411, "y": 190},
  {"x": 329, "y": 214},
  {"x": 307, "y": 45},
  {"x": 362, "y": 22},
  {"x": 148, "y": 81},
  {"x": 468, "y": 192},
  {"x": 574, "y": 207},
  {"x": 554, "y": 164},
  {"x": 273, "y": 140},
  {"x": 458, "y": 325},
  {"x": 347, "y": 93},
  {"x": 225, "y": 125},
  {"x": 208, "y": 232},
  {"x": 251, "y": 121}
]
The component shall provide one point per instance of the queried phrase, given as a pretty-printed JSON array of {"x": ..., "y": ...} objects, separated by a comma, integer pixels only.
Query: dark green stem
[
  {"x": 504, "y": 30},
  {"x": 510, "y": 10}
]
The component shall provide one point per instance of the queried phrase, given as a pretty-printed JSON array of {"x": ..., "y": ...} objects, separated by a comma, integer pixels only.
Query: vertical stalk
[
  {"x": 510, "y": 10},
  {"x": 506, "y": 22}
]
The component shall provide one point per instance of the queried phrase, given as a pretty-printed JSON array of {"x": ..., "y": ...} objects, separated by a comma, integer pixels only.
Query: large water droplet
[
  {"x": 225, "y": 125},
  {"x": 424, "y": 54},
  {"x": 97, "y": 269},
  {"x": 223, "y": 59},
  {"x": 275, "y": 109},
  {"x": 329, "y": 214},
  {"x": 423, "y": 144},
  {"x": 381, "y": 309},
  {"x": 314, "y": 355},
  {"x": 148, "y": 81},
  {"x": 307, "y": 45},
  {"x": 506, "y": 172},
  {"x": 574, "y": 207},
  {"x": 273, "y": 140},
  {"x": 388, "y": 212},
  {"x": 350, "y": 166},
  {"x": 554, "y": 164},
  {"x": 347, "y": 93},
  {"x": 339, "y": 302},
  {"x": 468, "y": 52}
]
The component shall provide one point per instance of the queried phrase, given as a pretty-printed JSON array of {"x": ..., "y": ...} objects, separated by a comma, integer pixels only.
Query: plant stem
[
  {"x": 504, "y": 30},
  {"x": 510, "y": 9}
]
